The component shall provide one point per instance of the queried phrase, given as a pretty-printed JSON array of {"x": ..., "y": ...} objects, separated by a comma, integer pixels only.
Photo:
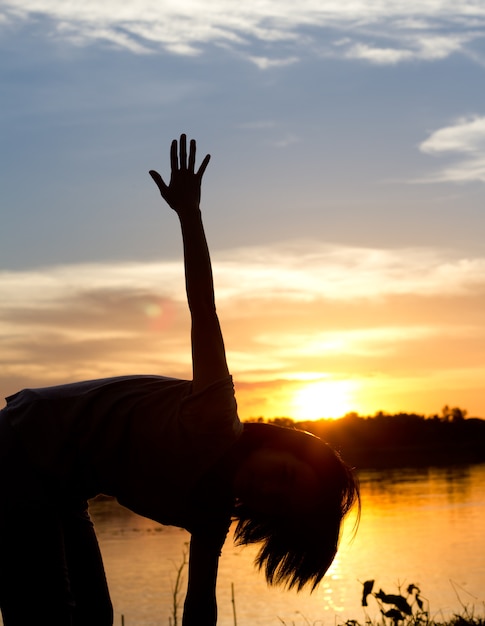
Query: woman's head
[
  {"x": 275, "y": 481},
  {"x": 293, "y": 492}
]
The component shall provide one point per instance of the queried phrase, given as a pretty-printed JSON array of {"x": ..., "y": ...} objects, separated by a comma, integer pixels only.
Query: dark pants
[{"x": 51, "y": 571}]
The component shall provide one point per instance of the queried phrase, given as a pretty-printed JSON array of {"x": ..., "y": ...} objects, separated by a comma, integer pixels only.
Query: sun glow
[{"x": 323, "y": 399}]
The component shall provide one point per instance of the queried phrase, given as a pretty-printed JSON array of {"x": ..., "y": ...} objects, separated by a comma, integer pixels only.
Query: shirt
[{"x": 146, "y": 440}]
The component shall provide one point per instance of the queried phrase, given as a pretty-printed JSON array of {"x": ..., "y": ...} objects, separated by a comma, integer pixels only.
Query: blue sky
[{"x": 347, "y": 142}]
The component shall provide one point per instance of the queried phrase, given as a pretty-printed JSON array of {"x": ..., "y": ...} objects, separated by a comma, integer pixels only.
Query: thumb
[{"x": 160, "y": 183}]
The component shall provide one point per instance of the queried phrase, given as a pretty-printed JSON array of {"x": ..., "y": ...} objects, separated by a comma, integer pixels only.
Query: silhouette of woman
[{"x": 168, "y": 449}]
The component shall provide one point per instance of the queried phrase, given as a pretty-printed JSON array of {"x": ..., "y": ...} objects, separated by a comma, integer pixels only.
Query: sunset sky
[{"x": 344, "y": 202}]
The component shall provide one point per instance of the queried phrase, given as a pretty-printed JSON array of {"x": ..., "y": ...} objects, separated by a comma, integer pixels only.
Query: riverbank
[{"x": 404, "y": 440}]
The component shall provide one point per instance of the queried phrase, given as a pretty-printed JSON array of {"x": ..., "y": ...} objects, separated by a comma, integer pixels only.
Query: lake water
[{"x": 425, "y": 527}]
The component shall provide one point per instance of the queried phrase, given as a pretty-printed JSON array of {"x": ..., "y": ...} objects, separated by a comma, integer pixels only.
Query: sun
[{"x": 327, "y": 398}]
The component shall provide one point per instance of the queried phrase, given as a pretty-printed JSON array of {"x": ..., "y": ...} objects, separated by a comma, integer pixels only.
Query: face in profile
[{"x": 276, "y": 482}]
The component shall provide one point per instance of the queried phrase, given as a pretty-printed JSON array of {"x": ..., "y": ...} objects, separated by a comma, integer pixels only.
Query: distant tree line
[{"x": 400, "y": 440}]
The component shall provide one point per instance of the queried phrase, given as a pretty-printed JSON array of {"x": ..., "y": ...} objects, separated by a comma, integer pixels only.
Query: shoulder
[{"x": 213, "y": 409}]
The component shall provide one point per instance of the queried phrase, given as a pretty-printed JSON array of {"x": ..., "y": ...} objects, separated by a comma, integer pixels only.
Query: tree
[{"x": 454, "y": 414}]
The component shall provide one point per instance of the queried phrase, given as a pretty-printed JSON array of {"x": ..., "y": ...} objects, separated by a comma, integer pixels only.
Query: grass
[{"x": 407, "y": 607}]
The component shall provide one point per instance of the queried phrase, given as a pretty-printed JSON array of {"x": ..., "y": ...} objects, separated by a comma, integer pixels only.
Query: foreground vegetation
[{"x": 407, "y": 607}]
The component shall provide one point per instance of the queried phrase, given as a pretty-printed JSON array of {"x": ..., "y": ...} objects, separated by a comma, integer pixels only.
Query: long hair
[{"x": 297, "y": 550}]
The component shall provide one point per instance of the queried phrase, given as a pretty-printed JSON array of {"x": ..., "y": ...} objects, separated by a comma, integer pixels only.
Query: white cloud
[
  {"x": 426, "y": 29},
  {"x": 265, "y": 63},
  {"x": 466, "y": 135},
  {"x": 308, "y": 270},
  {"x": 379, "y": 56},
  {"x": 466, "y": 138},
  {"x": 298, "y": 270},
  {"x": 288, "y": 140},
  {"x": 423, "y": 46},
  {"x": 466, "y": 171},
  {"x": 434, "y": 47}
]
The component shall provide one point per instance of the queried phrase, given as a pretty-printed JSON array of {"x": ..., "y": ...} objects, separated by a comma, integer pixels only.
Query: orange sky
[{"x": 311, "y": 330}]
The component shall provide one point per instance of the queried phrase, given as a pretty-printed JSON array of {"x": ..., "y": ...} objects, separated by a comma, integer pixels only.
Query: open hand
[{"x": 182, "y": 194}]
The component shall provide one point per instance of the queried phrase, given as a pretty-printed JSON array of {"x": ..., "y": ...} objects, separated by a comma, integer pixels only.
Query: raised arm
[
  {"x": 208, "y": 355},
  {"x": 182, "y": 194}
]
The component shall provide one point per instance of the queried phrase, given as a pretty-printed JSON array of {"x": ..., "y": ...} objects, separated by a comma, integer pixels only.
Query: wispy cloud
[
  {"x": 424, "y": 29},
  {"x": 299, "y": 270},
  {"x": 464, "y": 141},
  {"x": 306, "y": 270},
  {"x": 288, "y": 312},
  {"x": 265, "y": 63},
  {"x": 422, "y": 46},
  {"x": 465, "y": 135}
]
